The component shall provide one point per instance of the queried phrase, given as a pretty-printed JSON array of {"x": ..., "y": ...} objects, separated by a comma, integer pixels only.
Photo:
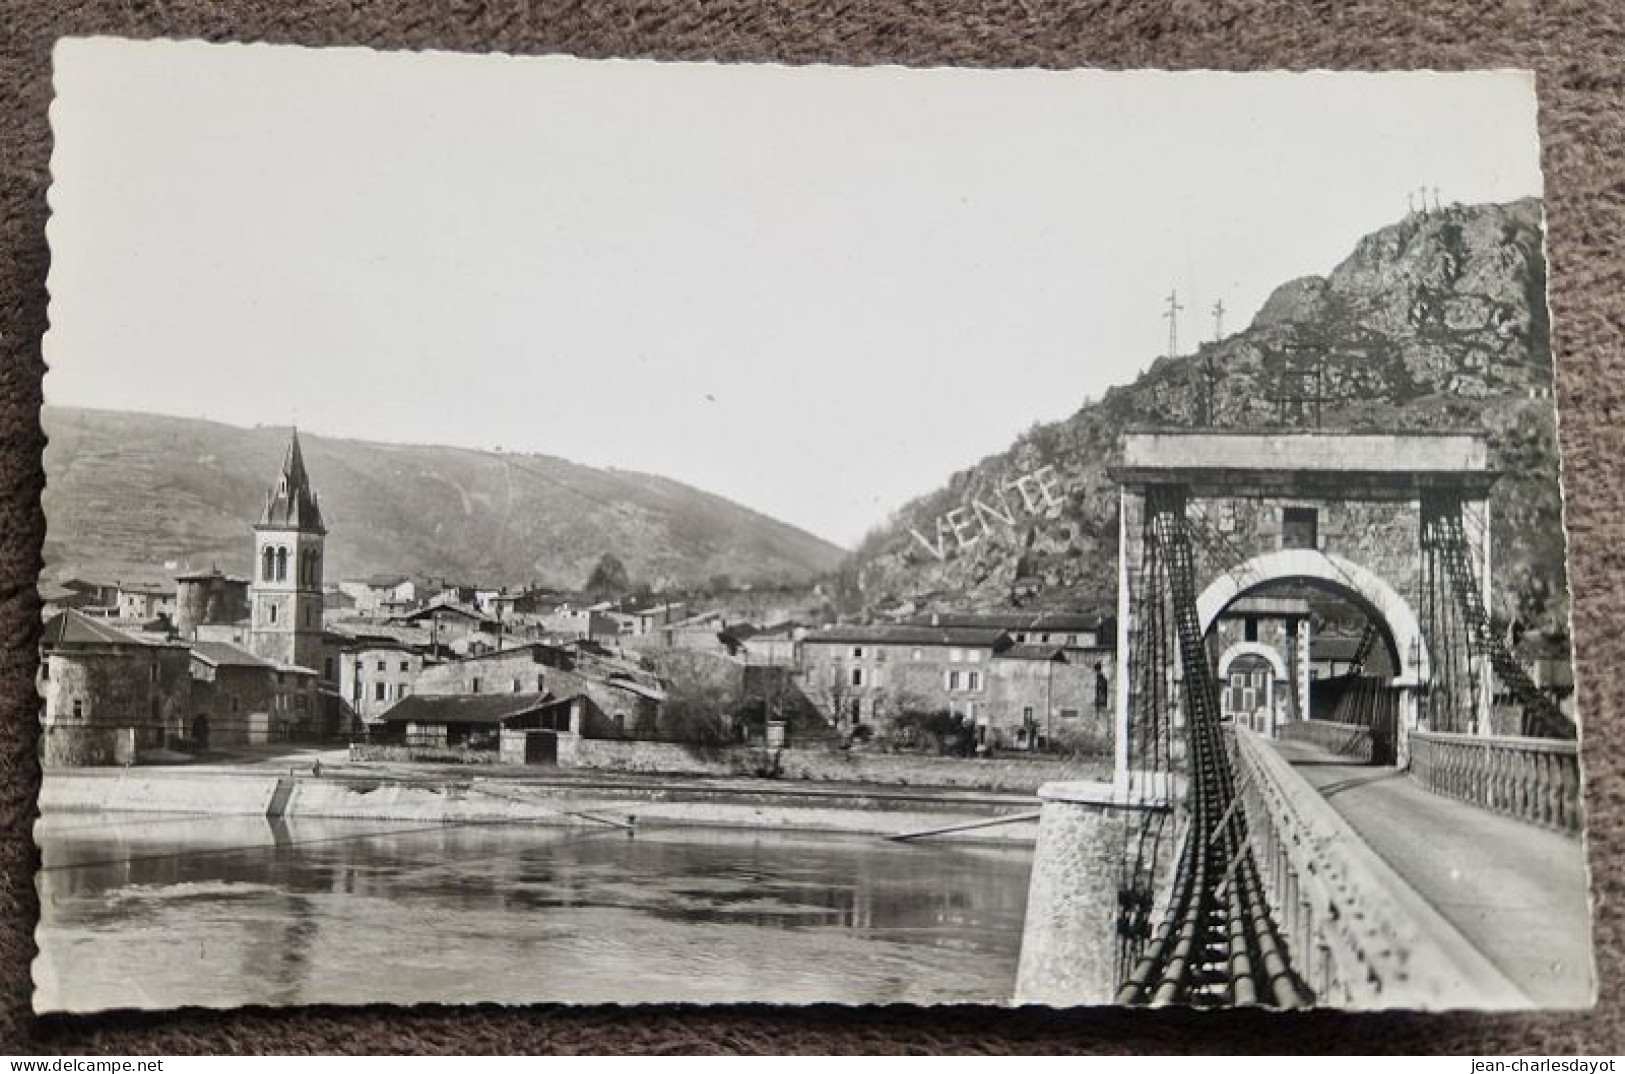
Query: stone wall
[
  {"x": 1015, "y": 774},
  {"x": 91, "y": 693},
  {"x": 361, "y": 751}
]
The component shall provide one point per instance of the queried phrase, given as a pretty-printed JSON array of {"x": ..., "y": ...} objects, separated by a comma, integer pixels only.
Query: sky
[{"x": 817, "y": 291}]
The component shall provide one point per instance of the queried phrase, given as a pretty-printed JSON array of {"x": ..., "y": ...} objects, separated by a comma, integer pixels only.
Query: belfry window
[
  {"x": 269, "y": 566},
  {"x": 281, "y": 564}
]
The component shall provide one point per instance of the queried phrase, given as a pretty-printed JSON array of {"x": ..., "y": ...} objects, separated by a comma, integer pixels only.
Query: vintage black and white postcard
[{"x": 544, "y": 530}]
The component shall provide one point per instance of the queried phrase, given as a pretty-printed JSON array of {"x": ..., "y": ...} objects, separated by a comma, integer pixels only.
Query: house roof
[
  {"x": 1034, "y": 652},
  {"x": 210, "y": 575},
  {"x": 82, "y": 584},
  {"x": 291, "y": 502},
  {"x": 907, "y": 634},
  {"x": 72, "y": 628},
  {"x": 435, "y": 611},
  {"x": 1052, "y": 622},
  {"x": 225, "y": 654},
  {"x": 536, "y": 649},
  {"x": 364, "y": 644},
  {"x": 149, "y": 589},
  {"x": 632, "y": 686},
  {"x": 466, "y": 708}
]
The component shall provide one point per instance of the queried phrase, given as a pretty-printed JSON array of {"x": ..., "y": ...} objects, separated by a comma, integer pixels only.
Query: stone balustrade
[
  {"x": 1536, "y": 780},
  {"x": 1357, "y": 934}
]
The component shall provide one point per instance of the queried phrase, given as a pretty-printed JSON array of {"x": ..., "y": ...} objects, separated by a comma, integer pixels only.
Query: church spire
[{"x": 291, "y": 502}]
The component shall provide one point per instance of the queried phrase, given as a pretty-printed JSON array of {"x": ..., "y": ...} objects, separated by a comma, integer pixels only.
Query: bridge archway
[
  {"x": 1250, "y": 676},
  {"x": 1253, "y": 648},
  {"x": 1382, "y": 602}
]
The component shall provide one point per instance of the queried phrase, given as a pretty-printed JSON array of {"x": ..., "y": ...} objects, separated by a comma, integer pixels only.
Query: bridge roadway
[{"x": 1517, "y": 892}]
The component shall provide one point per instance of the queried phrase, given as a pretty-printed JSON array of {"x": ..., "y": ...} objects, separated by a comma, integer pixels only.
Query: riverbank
[{"x": 628, "y": 803}]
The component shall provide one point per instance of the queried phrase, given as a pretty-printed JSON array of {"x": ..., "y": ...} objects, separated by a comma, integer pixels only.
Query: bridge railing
[
  {"x": 1357, "y": 933},
  {"x": 1531, "y": 779}
]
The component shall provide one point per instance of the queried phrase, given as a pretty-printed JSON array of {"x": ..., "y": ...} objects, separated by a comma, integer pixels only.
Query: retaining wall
[
  {"x": 225, "y": 795},
  {"x": 899, "y": 769}
]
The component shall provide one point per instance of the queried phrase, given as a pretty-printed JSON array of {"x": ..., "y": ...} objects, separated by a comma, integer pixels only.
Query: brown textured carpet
[{"x": 1578, "y": 49}]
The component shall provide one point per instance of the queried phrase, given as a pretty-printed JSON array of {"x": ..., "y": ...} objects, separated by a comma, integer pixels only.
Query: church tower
[{"x": 285, "y": 598}]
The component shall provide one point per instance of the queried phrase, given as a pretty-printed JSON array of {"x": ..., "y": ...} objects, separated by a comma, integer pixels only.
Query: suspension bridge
[{"x": 1414, "y": 844}]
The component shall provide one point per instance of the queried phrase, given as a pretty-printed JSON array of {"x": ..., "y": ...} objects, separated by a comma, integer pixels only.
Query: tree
[
  {"x": 608, "y": 578},
  {"x": 702, "y": 702}
]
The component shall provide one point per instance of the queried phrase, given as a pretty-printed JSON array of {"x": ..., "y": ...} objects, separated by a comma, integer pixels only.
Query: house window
[
  {"x": 857, "y": 652},
  {"x": 406, "y": 665},
  {"x": 541, "y": 684},
  {"x": 956, "y": 655},
  {"x": 380, "y": 665},
  {"x": 857, "y": 676},
  {"x": 953, "y": 680},
  {"x": 973, "y": 656},
  {"x": 299, "y": 703},
  {"x": 973, "y": 680},
  {"x": 403, "y": 689},
  {"x": 1250, "y": 628},
  {"x": 516, "y": 686},
  {"x": 78, "y": 707},
  {"x": 1069, "y": 714},
  {"x": 1300, "y": 527},
  {"x": 380, "y": 691},
  {"x": 919, "y": 654},
  {"x": 475, "y": 687},
  {"x": 271, "y": 610}
]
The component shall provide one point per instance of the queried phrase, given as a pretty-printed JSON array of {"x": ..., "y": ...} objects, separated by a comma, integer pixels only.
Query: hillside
[
  {"x": 127, "y": 492},
  {"x": 1435, "y": 322}
]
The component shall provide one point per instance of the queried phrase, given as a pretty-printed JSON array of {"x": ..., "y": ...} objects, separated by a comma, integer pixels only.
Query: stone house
[
  {"x": 239, "y": 698},
  {"x": 1018, "y": 696},
  {"x": 143, "y": 602},
  {"x": 388, "y": 594},
  {"x": 108, "y": 694},
  {"x": 375, "y": 674},
  {"x": 209, "y": 598},
  {"x": 522, "y": 728},
  {"x": 620, "y": 692},
  {"x": 777, "y": 645},
  {"x": 595, "y": 624}
]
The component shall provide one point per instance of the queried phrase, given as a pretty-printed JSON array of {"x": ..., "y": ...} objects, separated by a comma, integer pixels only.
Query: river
[{"x": 147, "y": 911}]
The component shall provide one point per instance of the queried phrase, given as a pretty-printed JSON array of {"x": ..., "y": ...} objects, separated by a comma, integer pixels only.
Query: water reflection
[{"x": 155, "y": 912}]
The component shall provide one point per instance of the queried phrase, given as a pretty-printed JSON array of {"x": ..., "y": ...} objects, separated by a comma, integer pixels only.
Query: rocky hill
[
  {"x": 127, "y": 492},
  {"x": 1436, "y": 322}
]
